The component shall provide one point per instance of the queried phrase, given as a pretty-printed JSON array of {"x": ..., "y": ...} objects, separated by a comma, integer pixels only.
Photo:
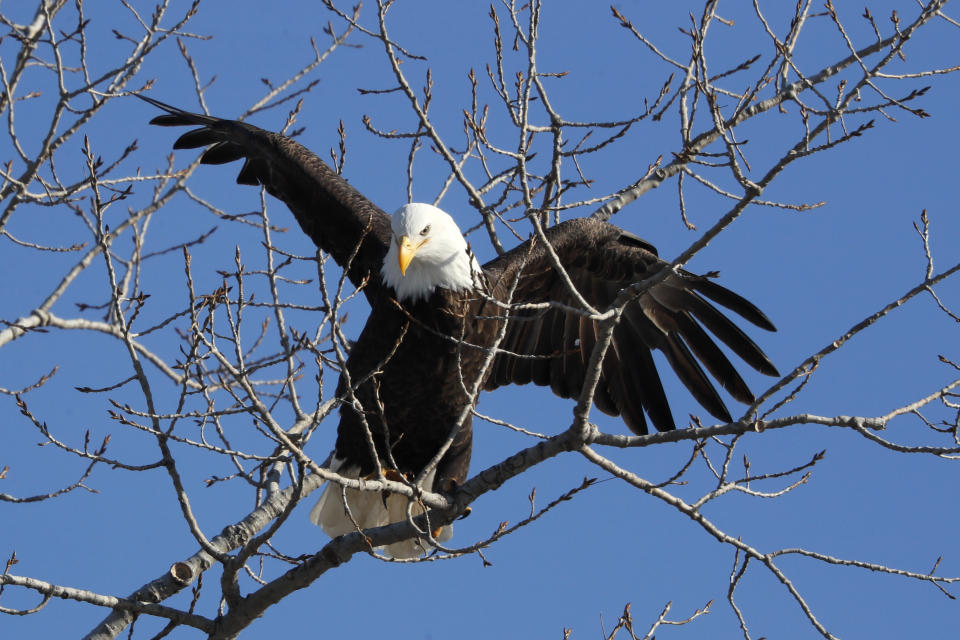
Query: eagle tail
[{"x": 369, "y": 509}]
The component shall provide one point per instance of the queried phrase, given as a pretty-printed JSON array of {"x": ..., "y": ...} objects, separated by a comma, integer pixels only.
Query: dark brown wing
[
  {"x": 335, "y": 215},
  {"x": 552, "y": 347}
]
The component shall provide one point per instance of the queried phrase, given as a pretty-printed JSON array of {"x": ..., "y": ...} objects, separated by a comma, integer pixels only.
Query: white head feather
[{"x": 441, "y": 258}]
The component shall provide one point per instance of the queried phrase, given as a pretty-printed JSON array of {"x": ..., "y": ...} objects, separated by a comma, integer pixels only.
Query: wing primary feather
[
  {"x": 625, "y": 384},
  {"x": 175, "y": 116},
  {"x": 694, "y": 379},
  {"x": 647, "y": 381},
  {"x": 168, "y": 120},
  {"x": 713, "y": 359},
  {"x": 222, "y": 153},
  {"x": 628, "y": 389},
  {"x": 250, "y": 172},
  {"x": 195, "y": 138},
  {"x": 719, "y": 325},
  {"x": 735, "y": 302}
]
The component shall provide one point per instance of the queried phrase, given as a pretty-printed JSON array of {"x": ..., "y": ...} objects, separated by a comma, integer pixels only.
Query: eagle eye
[{"x": 425, "y": 231}]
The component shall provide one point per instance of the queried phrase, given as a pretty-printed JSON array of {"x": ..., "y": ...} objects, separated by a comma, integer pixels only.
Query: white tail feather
[{"x": 368, "y": 509}]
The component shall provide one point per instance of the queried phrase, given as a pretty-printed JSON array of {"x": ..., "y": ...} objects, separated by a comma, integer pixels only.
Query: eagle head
[{"x": 426, "y": 251}]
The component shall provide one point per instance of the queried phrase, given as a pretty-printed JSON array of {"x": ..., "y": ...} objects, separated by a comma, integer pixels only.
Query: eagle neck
[{"x": 458, "y": 273}]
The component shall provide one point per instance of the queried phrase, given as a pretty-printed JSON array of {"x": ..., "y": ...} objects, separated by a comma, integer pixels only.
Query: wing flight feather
[
  {"x": 337, "y": 217},
  {"x": 553, "y": 347}
]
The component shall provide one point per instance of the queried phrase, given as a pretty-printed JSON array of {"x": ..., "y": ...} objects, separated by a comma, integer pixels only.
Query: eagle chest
[
  {"x": 428, "y": 347},
  {"x": 433, "y": 340},
  {"x": 418, "y": 393}
]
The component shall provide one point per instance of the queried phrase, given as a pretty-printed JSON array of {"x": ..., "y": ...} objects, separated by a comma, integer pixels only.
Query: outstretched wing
[
  {"x": 552, "y": 347},
  {"x": 337, "y": 217}
]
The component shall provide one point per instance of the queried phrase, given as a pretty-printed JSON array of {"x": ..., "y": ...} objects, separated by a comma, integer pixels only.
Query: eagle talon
[
  {"x": 395, "y": 475},
  {"x": 388, "y": 474},
  {"x": 465, "y": 513}
]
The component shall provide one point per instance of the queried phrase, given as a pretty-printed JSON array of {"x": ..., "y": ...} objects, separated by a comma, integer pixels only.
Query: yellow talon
[
  {"x": 393, "y": 474},
  {"x": 389, "y": 474}
]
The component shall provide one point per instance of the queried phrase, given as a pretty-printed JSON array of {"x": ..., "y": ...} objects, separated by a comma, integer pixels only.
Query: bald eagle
[{"x": 436, "y": 317}]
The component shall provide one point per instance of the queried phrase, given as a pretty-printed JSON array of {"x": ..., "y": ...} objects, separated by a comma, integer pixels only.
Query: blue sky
[{"x": 814, "y": 273}]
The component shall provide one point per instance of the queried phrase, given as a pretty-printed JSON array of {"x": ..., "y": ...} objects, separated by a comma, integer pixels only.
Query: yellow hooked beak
[{"x": 406, "y": 251}]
